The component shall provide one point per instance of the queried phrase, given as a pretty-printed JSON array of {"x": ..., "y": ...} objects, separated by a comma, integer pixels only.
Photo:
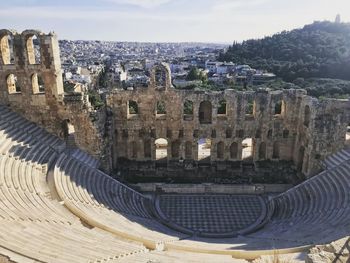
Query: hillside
[{"x": 318, "y": 50}]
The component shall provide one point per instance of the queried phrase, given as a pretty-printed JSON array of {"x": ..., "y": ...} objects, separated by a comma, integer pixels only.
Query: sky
[{"x": 216, "y": 21}]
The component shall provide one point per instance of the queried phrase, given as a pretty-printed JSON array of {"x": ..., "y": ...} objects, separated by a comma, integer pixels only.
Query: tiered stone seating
[
  {"x": 337, "y": 158},
  {"x": 85, "y": 158},
  {"x": 35, "y": 225},
  {"x": 315, "y": 211},
  {"x": 26, "y": 141},
  {"x": 177, "y": 257},
  {"x": 104, "y": 202}
]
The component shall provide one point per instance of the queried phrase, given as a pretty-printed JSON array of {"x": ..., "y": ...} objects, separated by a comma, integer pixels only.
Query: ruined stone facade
[
  {"x": 284, "y": 125},
  {"x": 31, "y": 84}
]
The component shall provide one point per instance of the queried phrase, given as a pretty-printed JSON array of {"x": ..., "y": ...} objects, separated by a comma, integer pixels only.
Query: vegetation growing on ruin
[
  {"x": 318, "y": 50},
  {"x": 95, "y": 99},
  {"x": 196, "y": 74}
]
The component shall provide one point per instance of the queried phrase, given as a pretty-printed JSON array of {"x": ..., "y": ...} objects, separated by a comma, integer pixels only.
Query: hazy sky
[{"x": 167, "y": 20}]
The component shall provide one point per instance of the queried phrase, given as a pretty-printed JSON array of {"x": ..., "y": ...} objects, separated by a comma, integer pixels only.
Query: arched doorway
[
  {"x": 161, "y": 146},
  {"x": 204, "y": 149},
  {"x": 247, "y": 149},
  {"x": 205, "y": 112}
]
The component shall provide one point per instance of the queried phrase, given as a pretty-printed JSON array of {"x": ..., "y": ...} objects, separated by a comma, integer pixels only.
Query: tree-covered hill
[{"x": 318, "y": 50}]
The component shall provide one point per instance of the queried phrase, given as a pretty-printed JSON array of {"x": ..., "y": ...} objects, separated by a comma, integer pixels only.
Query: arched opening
[
  {"x": 262, "y": 151},
  {"x": 204, "y": 149},
  {"x": 280, "y": 108},
  {"x": 234, "y": 150},
  {"x": 247, "y": 149},
  {"x": 301, "y": 158},
  {"x": 161, "y": 146},
  {"x": 147, "y": 148},
  {"x": 160, "y": 78},
  {"x": 220, "y": 150},
  {"x": 222, "y": 107},
  {"x": 6, "y": 49},
  {"x": 133, "y": 108},
  {"x": 347, "y": 135},
  {"x": 188, "y": 110},
  {"x": 250, "y": 107},
  {"x": 12, "y": 84},
  {"x": 175, "y": 149},
  {"x": 37, "y": 84},
  {"x": 188, "y": 150},
  {"x": 134, "y": 150},
  {"x": 160, "y": 108},
  {"x": 69, "y": 134},
  {"x": 228, "y": 133},
  {"x": 205, "y": 112},
  {"x": 307, "y": 115},
  {"x": 276, "y": 151},
  {"x": 269, "y": 134},
  {"x": 33, "y": 49}
]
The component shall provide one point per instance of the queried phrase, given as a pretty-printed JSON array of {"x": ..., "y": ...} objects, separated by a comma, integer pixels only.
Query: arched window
[
  {"x": 250, "y": 107},
  {"x": 188, "y": 150},
  {"x": 68, "y": 128},
  {"x": 204, "y": 149},
  {"x": 262, "y": 151},
  {"x": 33, "y": 49},
  {"x": 307, "y": 114},
  {"x": 160, "y": 78},
  {"x": 220, "y": 150},
  {"x": 133, "y": 108},
  {"x": 147, "y": 148},
  {"x": 205, "y": 112},
  {"x": 234, "y": 150},
  {"x": 247, "y": 148},
  {"x": 276, "y": 151},
  {"x": 228, "y": 133},
  {"x": 301, "y": 159},
  {"x": 37, "y": 84},
  {"x": 161, "y": 145},
  {"x": 285, "y": 134},
  {"x": 222, "y": 107},
  {"x": 160, "y": 110},
  {"x": 280, "y": 108},
  {"x": 6, "y": 48},
  {"x": 12, "y": 84},
  {"x": 134, "y": 150},
  {"x": 188, "y": 110},
  {"x": 175, "y": 149}
]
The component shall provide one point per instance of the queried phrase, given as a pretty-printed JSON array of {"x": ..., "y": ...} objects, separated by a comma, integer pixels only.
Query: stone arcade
[{"x": 279, "y": 125}]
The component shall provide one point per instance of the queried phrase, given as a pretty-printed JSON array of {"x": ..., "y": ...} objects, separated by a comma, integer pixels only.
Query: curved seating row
[
  {"x": 337, "y": 158},
  {"x": 41, "y": 228},
  {"x": 85, "y": 158},
  {"x": 26, "y": 140},
  {"x": 106, "y": 203},
  {"x": 315, "y": 211}
]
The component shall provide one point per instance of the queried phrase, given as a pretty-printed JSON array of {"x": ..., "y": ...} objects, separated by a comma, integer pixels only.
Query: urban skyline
[{"x": 221, "y": 21}]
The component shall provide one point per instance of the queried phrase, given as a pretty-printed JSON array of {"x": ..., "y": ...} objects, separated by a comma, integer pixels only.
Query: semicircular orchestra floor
[{"x": 211, "y": 215}]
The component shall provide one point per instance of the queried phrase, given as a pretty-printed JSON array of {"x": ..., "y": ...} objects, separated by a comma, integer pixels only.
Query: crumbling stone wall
[
  {"x": 283, "y": 135},
  {"x": 303, "y": 130},
  {"x": 48, "y": 106}
]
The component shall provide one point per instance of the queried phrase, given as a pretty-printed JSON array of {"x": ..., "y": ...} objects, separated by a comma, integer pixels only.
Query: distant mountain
[{"x": 318, "y": 50}]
